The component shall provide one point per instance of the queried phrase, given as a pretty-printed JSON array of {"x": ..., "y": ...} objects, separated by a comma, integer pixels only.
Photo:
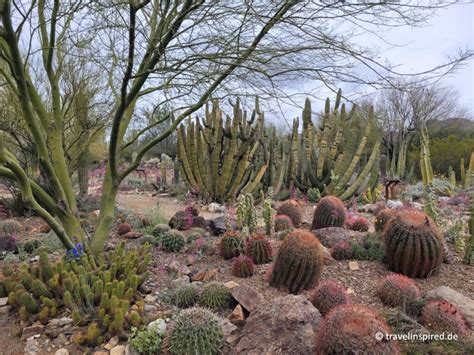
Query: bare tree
[{"x": 176, "y": 53}]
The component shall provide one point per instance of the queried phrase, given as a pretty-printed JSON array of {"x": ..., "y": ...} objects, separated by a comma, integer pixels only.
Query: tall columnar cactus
[
  {"x": 217, "y": 155},
  {"x": 452, "y": 176},
  {"x": 267, "y": 214},
  {"x": 330, "y": 212},
  {"x": 324, "y": 160},
  {"x": 329, "y": 294},
  {"x": 413, "y": 244},
  {"x": 425, "y": 160},
  {"x": 469, "y": 256},
  {"x": 442, "y": 316},
  {"x": 299, "y": 262},
  {"x": 292, "y": 209},
  {"x": 246, "y": 213},
  {"x": 463, "y": 173},
  {"x": 352, "y": 329}
]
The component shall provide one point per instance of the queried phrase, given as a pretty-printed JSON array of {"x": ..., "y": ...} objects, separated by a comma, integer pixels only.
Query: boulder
[
  {"x": 35, "y": 329},
  {"x": 394, "y": 204},
  {"x": 237, "y": 316},
  {"x": 464, "y": 304},
  {"x": 218, "y": 225},
  {"x": 183, "y": 220},
  {"x": 333, "y": 235},
  {"x": 216, "y": 208},
  {"x": 286, "y": 325},
  {"x": 132, "y": 235},
  {"x": 247, "y": 297},
  {"x": 118, "y": 350}
]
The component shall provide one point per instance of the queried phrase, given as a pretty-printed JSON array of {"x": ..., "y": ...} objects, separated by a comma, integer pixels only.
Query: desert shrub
[
  {"x": 329, "y": 212},
  {"x": 146, "y": 341},
  {"x": 370, "y": 248},
  {"x": 9, "y": 227},
  {"x": 88, "y": 203}
]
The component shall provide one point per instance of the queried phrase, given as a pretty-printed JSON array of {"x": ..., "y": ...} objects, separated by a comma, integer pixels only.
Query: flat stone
[
  {"x": 101, "y": 353},
  {"x": 3, "y": 301},
  {"x": 237, "y": 315},
  {"x": 114, "y": 341},
  {"x": 5, "y": 309},
  {"x": 247, "y": 297},
  {"x": 62, "y": 351},
  {"x": 35, "y": 329},
  {"x": 231, "y": 284},
  {"x": 118, "y": 350},
  {"x": 150, "y": 308},
  {"x": 148, "y": 299},
  {"x": 132, "y": 235},
  {"x": 464, "y": 304},
  {"x": 206, "y": 275},
  {"x": 353, "y": 265}
]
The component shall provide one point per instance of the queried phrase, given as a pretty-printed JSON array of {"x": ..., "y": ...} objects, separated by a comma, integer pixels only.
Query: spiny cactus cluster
[
  {"x": 442, "y": 316},
  {"x": 299, "y": 262},
  {"x": 397, "y": 290},
  {"x": 342, "y": 251},
  {"x": 246, "y": 213},
  {"x": 313, "y": 194},
  {"x": 282, "y": 223},
  {"x": 358, "y": 224},
  {"x": 9, "y": 227},
  {"x": 351, "y": 329},
  {"x": 124, "y": 228},
  {"x": 100, "y": 290},
  {"x": 172, "y": 241},
  {"x": 292, "y": 209},
  {"x": 231, "y": 244},
  {"x": 242, "y": 267},
  {"x": 329, "y": 294},
  {"x": 214, "y": 296},
  {"x": 159, "y": 229},
  {"x": 259, "y": 249},
  {"x": 186, "y": 296},
  {"x": 382, "y": 218},
  {"x": 196, "y": 331},
  {"x": 330, "y": 212},
  {"x": 413, "y": 244}
]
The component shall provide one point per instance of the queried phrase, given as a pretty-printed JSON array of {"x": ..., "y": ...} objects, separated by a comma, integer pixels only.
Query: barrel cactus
[
  {"x": 358, "y": 224},
  {"x": 292, "y": 209},
  {"x": 9, "y": 227},
  {"x": 196, "y": 331},
  {"x": 124, "y": 228},
  {"x": 342, "y": 251},
  {"x": 442, "y": 316},
  {"x": 282, "y": 223},
  {"x": 172, "y": 241},
  {"x": 398, "y": 290},
  {"x": 382, "y": 218},
  {"x": 330, "y": 212},
  {"x": 299, "y": 262},
  {"x": 259, "y": 249},
  {"x": 413, "y": 244},
  {"x": 329, "y": 294},
  {"x": 231, "y": 245},
  {"x": 242, "y": 267},
  {"x": 215, "y": 296},
  {"x": 160, "y": 229},
  {"x": 186, "y": 296},
  {"x": 351, "y": 329}
]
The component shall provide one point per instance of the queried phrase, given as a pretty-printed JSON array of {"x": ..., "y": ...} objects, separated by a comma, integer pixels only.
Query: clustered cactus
[
  {"x": 246, "y": 214},
  {"x": 242, "y": 267},
  {"x": 299, "y": 262},
  {"x": 186, "y": 296},
  {"x": 442, "y": 316},
  {"x": 196, "y": 331},
  {"x": 351, "y": 329},
  {"x": 231, "y": 245},
  {"x": 98, "y": 292},
  {"x": 292, "y": 209},
  {"x": 9, "y": 227},
  {"x": 413, "y": 244},
  {"x": 329, "y": 294},
  {"x": 259, "y": 249},
  {"x": 397, "y": 290},
  {"x": 172, "y": 241},
  {"x": 214, "y": 296},
  {"x": 330, "y": 212}
]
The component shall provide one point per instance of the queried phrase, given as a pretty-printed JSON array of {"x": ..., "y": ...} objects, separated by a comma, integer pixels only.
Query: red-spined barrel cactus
[
  {"x": 413, "y": 244},
  {"x": 282, "y": 223},
  {"x": 259, "y": 249},
  {"x": 397, "y": 290},
  {"x": 231, "y": 245},
  {"x": 330, "y": 212},
  {"x": 342, "y": 251},
  {"x": 292, "y": 209},
  {"x": 358, "y": 224},
  {"x": 442, "y": 316},
  {"x": 242, "y": 267},
  {"x": 352, "y": 329},
  {"x": 329, "y": 294},
  {"x": 382, "y": 218},
  {"x": 299, "y": 262}
]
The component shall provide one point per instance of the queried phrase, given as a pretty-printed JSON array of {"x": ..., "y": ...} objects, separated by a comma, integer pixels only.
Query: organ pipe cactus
[
  {"x": 324, "y": 160},
  {"x": 217, "y": 155}
]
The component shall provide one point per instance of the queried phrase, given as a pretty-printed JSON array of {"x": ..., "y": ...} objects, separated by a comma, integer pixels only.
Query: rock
[
  {"x": 237, "y": 315},
  {"x": 118, "y": 350},
  {"x": 394, "y": 204},
  {"x": 60, "y": 322},
  {"x": 149, "y": 299},
  {"x": 328, "y": 259},
  {"x": 5, "y": 310},
  {"x": 132, "y": 235},
  {"x": 113, "y": 341},
  {"x": 44, "y": 228},
  {"x": 369, "y": 208},
  {"x": 228, "y": 329},
  {"x": 60, "y": 340},
  {"x": 158, "y": 325},
  {"x": 31, "y": 347},
  {"x": 100, "y": 353},
  {"x": 218, "y": 225},
  {"x": 287, "y": 325},
  {"x": 190, "y": 260},
  {"x": 353, "y": 265},
  {"x": 417, "y": 205},
  {"x": 35, "y": 329},
  {"x": 333, "y": 235},
  {"x": 3, "y": 301},
  {"x": 464, "y": 304},
  {"x": 231, "y": 284},
  {"x": 180, "y": 281},
  {"x": 247, "y": 297},
  {"x": 62, "y": 351},
  {"x": 215, "y": 208},
  {"x": 150, "y": 308},
  {"x": 205, "y": 275}
]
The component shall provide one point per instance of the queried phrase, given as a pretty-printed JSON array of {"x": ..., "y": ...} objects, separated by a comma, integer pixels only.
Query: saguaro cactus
[{"x": 217, "y": 156}]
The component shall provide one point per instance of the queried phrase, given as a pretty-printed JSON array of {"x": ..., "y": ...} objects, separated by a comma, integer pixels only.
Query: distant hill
[{"x": 459, "y": 127}]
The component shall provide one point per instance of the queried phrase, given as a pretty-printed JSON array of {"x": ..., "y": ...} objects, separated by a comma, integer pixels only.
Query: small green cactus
[
  {"x": 231, "y": 245},
  {"x": 186, "y": 296},
  {"x": 172, "y": 241},
  {"x": 159, "y": 229},
  {"x": 215, "y": 296},
  {"x": 26, "y": 300}
]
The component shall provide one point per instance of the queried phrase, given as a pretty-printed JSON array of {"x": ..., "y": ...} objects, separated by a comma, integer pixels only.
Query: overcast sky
[{"x": 414, "y": 50}]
